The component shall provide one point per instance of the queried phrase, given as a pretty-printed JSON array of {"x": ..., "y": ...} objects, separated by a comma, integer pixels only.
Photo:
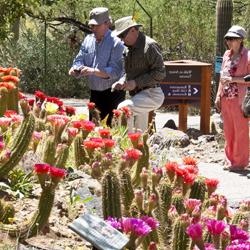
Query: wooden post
[
  {"x": 183, "y": 110},
  {"x": 205, "y": 99}
]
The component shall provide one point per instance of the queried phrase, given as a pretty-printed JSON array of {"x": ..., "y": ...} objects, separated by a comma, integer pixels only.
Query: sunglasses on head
[{"x": 123, "y": 34}]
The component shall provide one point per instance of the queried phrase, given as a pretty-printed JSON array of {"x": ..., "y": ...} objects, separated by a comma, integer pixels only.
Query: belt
[
  {"x": 135, "y": 91},
  {"x": 150, "y": 87}
]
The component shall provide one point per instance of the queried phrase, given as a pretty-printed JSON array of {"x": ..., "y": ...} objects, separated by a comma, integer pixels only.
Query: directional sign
[{"x": 181, "y": 91}]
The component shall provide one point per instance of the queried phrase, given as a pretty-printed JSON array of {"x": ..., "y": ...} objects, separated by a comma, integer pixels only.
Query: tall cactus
[
  {"x": 79, "y": 151},
  {"x": 111, "y": 197},
  {"x": 20, "y": 144},
  {"x": 127, "y": 191},
  {"x": 180, "y": 239},
  {"x": 224, "y": 14},
  {"x": 49, "y": 151},
  {"x": 198, "y": 189}
]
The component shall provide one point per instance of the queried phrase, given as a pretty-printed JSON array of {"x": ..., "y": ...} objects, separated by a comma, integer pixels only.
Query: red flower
[
  {"x": 192, "y": 169},
  {"x": 77, "y": 124},
  {"x": 171, "y": 166},
  {"x": 117, "y": 113},
  {"x": 91, "y": 105},
  {"x": 10, "y": 113},
  {"x": 10, "y": 78},
  {"x": 88, "y": 125},
  {"x": 134, "y": 136},
  {"x": 31, "y": 101},
  {"x": 57, "y": 172},
  {"x": 40, "y": 95},
  {"x": 21, "y": 95},
  {"x": 180, "y": 171},
  {"x": 70, "y": 110},
  {"x": 188, "y": 178},
  {"x": 126, "y": 111},
  {"x": 108, "y": 143},
  {"x": 213, "y": 183},
  {"x": 104, "y": 133},
  {"x": 189, "y": 161},
  {"x": 42, "y": 168},
  {"x": 91, "y": 144},
  {"x": 55, "y": 100},
  {"x": 132, "y": 154}
]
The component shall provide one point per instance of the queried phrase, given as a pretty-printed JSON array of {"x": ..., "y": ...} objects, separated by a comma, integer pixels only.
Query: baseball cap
[
  {"x": 98, "y": 16},
  {"x": 236, "y": 31}
]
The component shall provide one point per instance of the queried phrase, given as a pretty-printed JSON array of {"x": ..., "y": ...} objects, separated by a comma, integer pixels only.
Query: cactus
[
  {"x": 178, "y": 202},
  {"x": 12, "y": 100},
  {"x": 49, "y": 151},
  {"x": 198, "y": 189},
  {"x": 180, "y": 239},
  {"x": 62, "y": 156},
  {"x": 164, "y": 229},
  {"x": 7, "y": 211},
  {"x": 111, "y": 203},
  {"x": 48, "y": 181},
  {"x": 20, "y": 144},
  {"x": 224, "y": 14},
  {"x": 142, "y": 162},
  {"x": 127, "y": 191},
  {"x": 79, "y": 151},
  {"x": 239, "y": 216},
  {"x": 3, "y": 100}
]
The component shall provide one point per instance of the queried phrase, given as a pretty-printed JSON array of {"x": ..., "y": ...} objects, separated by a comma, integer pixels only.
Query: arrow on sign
[{"x": 195, "y": 91}]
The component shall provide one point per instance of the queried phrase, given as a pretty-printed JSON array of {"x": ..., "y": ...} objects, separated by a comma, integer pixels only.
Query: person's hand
[
  {"x": 226, "y": 79},
  {"x": 87, "y": 71},
  {"x": 217, "y": 104},
  {"x": 130, "y": 85},
  {"x": 73, "y": 72},
  {"x": 117, "y": 86}
]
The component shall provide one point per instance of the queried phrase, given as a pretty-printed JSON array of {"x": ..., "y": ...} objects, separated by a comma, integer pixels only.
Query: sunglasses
[
  {"x": 231, "y": 38},
  {"x": 124, "y": 34}
]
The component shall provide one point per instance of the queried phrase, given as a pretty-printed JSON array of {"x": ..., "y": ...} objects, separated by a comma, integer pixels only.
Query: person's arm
[
  {"x": 114, "y": 69},
  {"x": 157, "y": 70}
]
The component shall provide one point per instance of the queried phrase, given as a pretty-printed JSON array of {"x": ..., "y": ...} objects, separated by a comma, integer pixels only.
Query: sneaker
[{"x": 248, "y": 176}]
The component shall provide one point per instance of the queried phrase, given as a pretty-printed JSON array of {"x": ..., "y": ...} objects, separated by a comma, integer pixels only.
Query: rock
[
  {"x": 167, "y": 137},
  {"x": 193, "y": 133},
  {"x": 216, "y": 124}
]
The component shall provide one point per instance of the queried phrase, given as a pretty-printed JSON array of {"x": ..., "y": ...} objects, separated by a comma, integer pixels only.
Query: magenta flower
[
  {"x": 150, "y": 221},
  {"x": 115, "y": 223},
  {"x": 239, "y": 245},
  {"x": 195, "y": 231},
  {"x": 215, "y": 227},
  {"x": 135, "y": 226},
  {"x": 238, "y": 234}
]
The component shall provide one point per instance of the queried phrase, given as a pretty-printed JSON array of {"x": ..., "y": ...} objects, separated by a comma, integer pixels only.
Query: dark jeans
[{"x": 106, "y": 101}]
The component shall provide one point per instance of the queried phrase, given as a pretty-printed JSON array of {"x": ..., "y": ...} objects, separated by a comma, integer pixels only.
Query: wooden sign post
[{"x": 188, "y": 83}]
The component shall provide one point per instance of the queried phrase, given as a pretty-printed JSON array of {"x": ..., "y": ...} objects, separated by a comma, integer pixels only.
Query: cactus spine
[
  {"x": 142, "y": 162},
  {"x": 111, "y": 203},
  {"x": 180, "y": 239},
  {"x": 3, "y": 100},
  {"x": 79, "y": 152},
  {"x": 49, "y": 150},
  {"x": 178, "y": 202},
  {"x": 239, "y": 216},
  {"x": 62, "y": 156},
  {"x": 20, "y": 144},
  {"x": 198, "y": 189},
  {"x": 127, "y": 191},
  {"x": 12, "y": 101}
]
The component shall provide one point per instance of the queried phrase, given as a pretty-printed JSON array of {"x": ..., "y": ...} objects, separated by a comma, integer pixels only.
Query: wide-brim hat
[
  {"x": 98, "y": 16},
  {"x": 123, "y": 24},
  {"x": 236, "y": 31}
]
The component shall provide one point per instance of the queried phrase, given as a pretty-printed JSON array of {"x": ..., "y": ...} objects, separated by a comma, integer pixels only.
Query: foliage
[{"x": 20, "y": 182}]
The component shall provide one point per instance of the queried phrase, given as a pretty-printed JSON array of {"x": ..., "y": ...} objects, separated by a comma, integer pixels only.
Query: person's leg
[
  {"x": 144, "y": 102},
  {"x": 236, "y": 134},
  {"x": 140, "y": 105},
  {"x": 106, "y": 101}
]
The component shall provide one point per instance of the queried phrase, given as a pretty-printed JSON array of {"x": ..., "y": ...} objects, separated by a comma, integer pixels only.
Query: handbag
[{"x": 246, "y": 101}]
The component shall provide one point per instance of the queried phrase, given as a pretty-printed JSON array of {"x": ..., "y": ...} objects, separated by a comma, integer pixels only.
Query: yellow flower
[{"x": 51, "y": 108}]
